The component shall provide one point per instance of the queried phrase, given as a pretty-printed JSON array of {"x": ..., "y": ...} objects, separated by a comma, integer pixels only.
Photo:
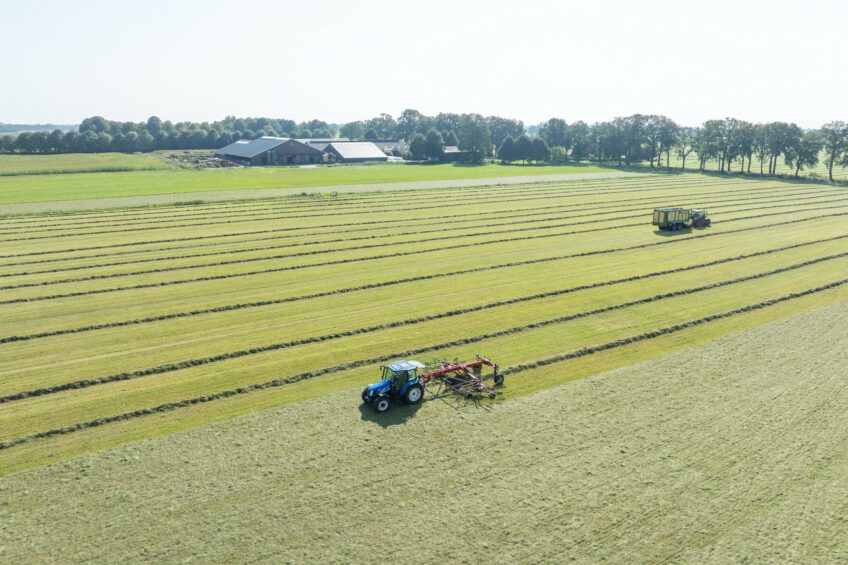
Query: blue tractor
[{"x": 399, "y": 380}]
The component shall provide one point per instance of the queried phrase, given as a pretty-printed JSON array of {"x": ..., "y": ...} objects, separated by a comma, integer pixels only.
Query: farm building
[
  {"x": 354, "y": 152},
  {"x": 285, "y": 151},
  {"x": 271, "y": 151},
  {"x": 390, "y": 146},
  {"x": 453, "y": 153}
]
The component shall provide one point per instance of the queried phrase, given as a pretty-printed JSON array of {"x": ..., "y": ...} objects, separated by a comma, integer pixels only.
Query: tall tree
[
  {"x": 652, "y": 127},
  {"x": 475, "y": 137},
  {"x": 541, "y": 151},
  {"x": 579, "y": 139},
  {"x": 554, "y": 132},
  {"x": 686, "y": 143},
  {"x": 523, "y": 148},
  {"x": 407, "y": 123},
  {"x": 54, "y": 141},
  {"x": 418, "y": 147},
  {"x": 669, "y": 130},
  {"x": 353, "y": 130},
  {"x": 434, "y": 145},
  {"x": 835, "y": 142},
  {"x": 450, "y": 137},
  {"x": 384, "y": 125},
  {"x": 501, "y": 128},
  {"x": 154, "y": 125},
  {"x": 506, "y": 152},
  {"x": 631, "y": 135},
  {"x": 804, "y": 152},
  {"x": 95, "y": 124}
]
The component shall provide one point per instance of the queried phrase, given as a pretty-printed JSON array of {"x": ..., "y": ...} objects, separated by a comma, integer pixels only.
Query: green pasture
[
  {"x": 11, "y": 165},
  {"x": 72, "y": 186},
  {"x": 126, "y": 324}
]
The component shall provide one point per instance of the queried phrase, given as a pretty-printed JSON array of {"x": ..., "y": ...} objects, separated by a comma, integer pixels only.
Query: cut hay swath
[{"x": 116, "y": 325}]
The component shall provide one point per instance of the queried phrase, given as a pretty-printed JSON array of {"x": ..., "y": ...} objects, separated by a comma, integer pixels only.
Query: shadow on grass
[
  {"x": 400, "y": 412},
  {"x": 668, "y": 233}
]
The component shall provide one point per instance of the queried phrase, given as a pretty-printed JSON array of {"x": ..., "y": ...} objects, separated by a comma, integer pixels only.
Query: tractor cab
[
  {"x": 399, "y": 380},
  {"x": 699, "y": 218}
]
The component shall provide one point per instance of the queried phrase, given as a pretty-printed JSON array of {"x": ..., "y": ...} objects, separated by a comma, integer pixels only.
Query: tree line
[
  {"x": 98, "y": 135},
  {"x": 731, "y": 143}
]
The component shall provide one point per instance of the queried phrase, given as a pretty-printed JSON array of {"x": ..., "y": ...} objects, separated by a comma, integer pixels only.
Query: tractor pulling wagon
[
  {"x": 673, "y": 219},
  {"x": 401, "y": 380}
]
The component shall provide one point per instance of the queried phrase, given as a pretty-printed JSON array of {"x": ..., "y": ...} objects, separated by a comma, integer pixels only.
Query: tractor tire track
[{"x": 171, "y": 406}]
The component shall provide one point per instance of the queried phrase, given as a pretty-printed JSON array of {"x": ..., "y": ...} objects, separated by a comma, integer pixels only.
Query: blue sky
[{"x": 341, "y": 61}]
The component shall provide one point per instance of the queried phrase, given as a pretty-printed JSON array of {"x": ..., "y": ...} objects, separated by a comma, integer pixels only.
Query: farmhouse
[{"x": 286, "y": 151}]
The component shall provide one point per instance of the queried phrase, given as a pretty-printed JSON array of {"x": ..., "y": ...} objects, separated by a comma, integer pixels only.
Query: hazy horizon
[{"x": 338, "y": 62}]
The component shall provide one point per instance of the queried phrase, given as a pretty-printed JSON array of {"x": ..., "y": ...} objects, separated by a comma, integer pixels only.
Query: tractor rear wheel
[
  {"x": 414, "y": 394},
  {"x": 382, "y": 404}
]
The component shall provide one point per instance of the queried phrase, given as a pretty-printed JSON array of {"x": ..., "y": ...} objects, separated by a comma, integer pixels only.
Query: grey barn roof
[
  {"x": 390, "y": 144},
  {"x": 248, "y": 149},
  {"x": 357, "y": 150}
]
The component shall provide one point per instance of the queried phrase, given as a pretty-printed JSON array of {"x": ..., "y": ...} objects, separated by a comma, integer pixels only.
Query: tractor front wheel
[
  {"x": 414, "y": 394},
  {"x": 382, "y": 404},
  {"x": 365, "y": 395}
]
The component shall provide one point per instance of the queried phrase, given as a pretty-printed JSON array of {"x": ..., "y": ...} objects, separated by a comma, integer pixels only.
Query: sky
[{"x": 339, "y": 61}]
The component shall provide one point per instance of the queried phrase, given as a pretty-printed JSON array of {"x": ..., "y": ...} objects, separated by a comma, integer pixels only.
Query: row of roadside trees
[{"x": 730, "y": 143}]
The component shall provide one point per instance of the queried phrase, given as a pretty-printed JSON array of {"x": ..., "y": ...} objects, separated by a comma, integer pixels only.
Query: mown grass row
[
  {"x": 369, "y": 223},
  {"x": 380, "y": 245},
  {"x": 407, "y": 253},
  {"x": 274, "y": 208},
  {"x": 85, "y": 383},
  {"x": 262, "y": 303},
  {"x": 453, "y": 229},
  {"x": 443, "y": 204},
  {"x": 405, "y": 196},
  {"x": 171, "y": 406},
  {"x": 261, "y": 217}
]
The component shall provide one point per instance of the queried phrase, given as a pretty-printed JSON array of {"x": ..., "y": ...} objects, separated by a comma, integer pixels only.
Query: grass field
[
  {"x": 77, "y": 163},
  {"x": 128, "y": 324},
  {"x": 699, "y": 457},
  {"x": 72, "y": 186}
]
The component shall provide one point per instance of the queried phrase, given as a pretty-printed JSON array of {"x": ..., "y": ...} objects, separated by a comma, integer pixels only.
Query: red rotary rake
[{"x": 465, "y": 379}]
